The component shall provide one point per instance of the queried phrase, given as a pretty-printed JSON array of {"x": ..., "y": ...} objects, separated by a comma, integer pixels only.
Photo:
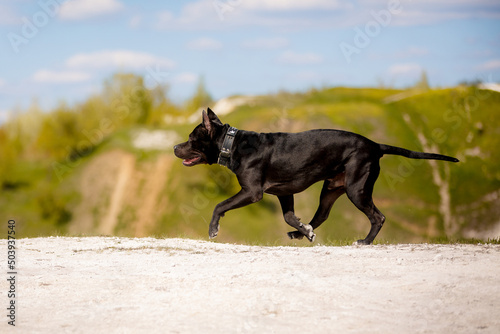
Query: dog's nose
[{"x": 175, "y": 147}]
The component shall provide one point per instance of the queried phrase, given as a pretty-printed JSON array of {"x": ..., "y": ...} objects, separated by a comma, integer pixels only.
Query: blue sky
[{"x": 55, "y": 50}]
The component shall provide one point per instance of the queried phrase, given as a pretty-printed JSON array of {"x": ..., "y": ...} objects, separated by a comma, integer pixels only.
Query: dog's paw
[
  {"x": 361, "y": 242},
  {"x": 213, "y": 231},
  {"x": 295, "y": 235},
  {"x": 310, "y": 235}
]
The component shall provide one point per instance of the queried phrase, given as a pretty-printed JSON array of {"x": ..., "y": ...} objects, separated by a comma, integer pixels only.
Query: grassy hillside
[{"x": 83, "y": 170}]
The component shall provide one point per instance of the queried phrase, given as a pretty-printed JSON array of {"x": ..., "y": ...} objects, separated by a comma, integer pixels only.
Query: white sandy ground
[{"x": 146, "y": 285}]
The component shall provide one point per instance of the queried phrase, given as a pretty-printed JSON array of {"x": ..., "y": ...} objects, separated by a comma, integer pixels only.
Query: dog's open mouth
[{"x": 191, "y": 161}]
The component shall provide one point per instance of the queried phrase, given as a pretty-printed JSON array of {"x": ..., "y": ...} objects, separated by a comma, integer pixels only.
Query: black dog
[{"x": 284, "y": 164}]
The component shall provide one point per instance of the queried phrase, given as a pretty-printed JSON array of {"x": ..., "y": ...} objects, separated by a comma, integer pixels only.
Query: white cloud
[
  {"x": 266, "y": 43},
  {"x": 2, "y": 82},
  {"x": 204, "y": 44},
  {"x": 490, "y": 65},
  {"x": 299, "y": 14},
  {"x": 118, "y": 58},
  {"x": 82, "y": 67},
  {"x": 287, "y": 5},
  {"x": 433, "y": 11},
  {"x": 418, "y": 16},
  {"x": 186, "y": 77},
  {"x": 48, "y": 76},
  {"x": 209, "y": 14},
  {"x": 83, "y": 9},
  {"x": 135, "y": 21},
  {"x": 290, "y": 57},
  {"x": 194, "y": 15},
  {"x": 165, "y": 19},
  {"x": 405, "y": 69}
]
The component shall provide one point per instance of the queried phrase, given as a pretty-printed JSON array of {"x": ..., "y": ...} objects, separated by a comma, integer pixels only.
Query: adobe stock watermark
[
  {"x": 121, "y": 109},
  {"x": 83, "y": 147},
  {"x": 455, "y": 117},
  {"x": 93, "y": 137},
  {"x": 31, "y": 26},
  {"x": 155, "y": 77},
  {"x": 203, "y": 197},
  {"x": 371, "y": 29},
  {"x": 226, "y": 6}
]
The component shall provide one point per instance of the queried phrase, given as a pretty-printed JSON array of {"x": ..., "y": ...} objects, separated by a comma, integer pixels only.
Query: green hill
[{"x": 106, "y": 166}]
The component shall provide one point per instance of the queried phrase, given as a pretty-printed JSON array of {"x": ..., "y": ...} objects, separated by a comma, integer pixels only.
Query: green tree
[
  {"x": 423, "y": 83},
  {"x": 130, "y": 100},
  {"x": 59, "y": 133}
]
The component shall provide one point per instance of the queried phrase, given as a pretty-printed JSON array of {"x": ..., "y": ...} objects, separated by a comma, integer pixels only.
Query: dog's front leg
[{"x": 243, "y": 198}]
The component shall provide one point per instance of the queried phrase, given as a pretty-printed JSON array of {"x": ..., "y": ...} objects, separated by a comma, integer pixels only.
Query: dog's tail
[{"x": 388, "y": 149}]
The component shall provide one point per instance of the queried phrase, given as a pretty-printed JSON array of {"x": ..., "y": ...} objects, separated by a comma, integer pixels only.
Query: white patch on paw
[
  {"x": 309, "y": 232},
  {"x": 308, "y": 228}
]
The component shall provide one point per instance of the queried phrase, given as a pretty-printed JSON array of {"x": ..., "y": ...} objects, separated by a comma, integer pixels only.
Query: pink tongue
[{"x": 188, "y": 161}]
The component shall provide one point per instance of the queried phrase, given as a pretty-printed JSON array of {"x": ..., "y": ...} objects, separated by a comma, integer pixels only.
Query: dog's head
[{"x": 203, "y": 144}]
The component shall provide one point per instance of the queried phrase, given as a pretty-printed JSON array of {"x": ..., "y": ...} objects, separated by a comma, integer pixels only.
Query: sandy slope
[{"x": 119, "y": 285}]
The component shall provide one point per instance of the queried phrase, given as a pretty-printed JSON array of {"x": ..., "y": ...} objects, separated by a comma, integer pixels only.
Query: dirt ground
[{"x": 146, "y": 285}]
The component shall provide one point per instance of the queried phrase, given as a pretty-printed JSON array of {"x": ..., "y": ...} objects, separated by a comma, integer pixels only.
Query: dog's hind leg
[
  {"x": 360, "y": 180},
  {"x": 287, "y": 206},
  {"x": 332, "y": 190}
]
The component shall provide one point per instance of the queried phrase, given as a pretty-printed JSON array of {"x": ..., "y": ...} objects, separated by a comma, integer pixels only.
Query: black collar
[{"x": 225, "y": 152}]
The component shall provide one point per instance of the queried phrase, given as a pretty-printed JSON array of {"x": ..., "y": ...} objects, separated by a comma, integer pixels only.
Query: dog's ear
[
  {"x": 206, "y": 121},
  {"x": 209, "y": 119},
  {"x": 213, "y": 117}
]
